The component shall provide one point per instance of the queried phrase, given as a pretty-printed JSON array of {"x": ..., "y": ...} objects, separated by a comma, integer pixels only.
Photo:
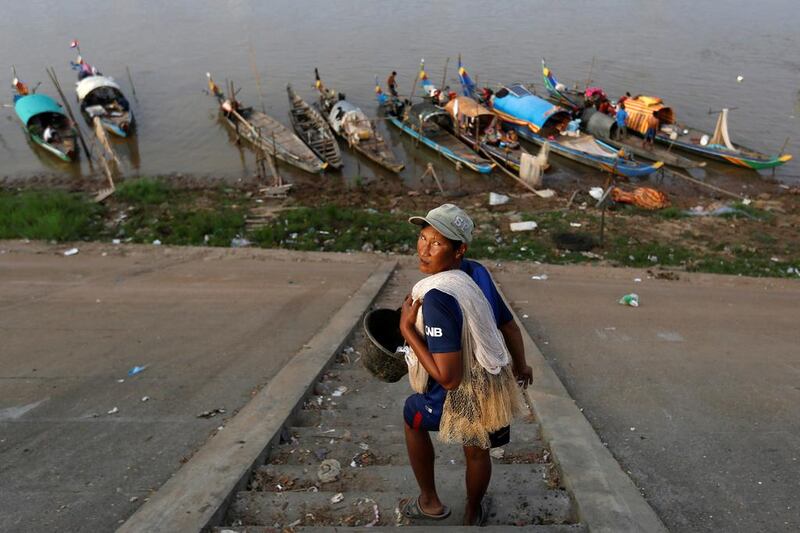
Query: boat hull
[
  {"x": 726, "y": 156},
  {"x": 449, "y": 153},
  {"x": 610, "y": 164},
  {"x": 267, "y": 146}
]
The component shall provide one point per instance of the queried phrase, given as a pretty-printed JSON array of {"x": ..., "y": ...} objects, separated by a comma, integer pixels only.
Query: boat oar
[
  {"x": 444, "y": 75},
  {"x": 52, "y": 74}
]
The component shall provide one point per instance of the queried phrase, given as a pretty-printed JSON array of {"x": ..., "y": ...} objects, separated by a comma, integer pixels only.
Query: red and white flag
[{"x": 74, "y": 43}]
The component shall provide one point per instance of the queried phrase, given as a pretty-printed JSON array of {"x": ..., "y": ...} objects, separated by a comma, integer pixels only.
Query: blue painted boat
[
  {"x": 43, "y": 117},
  {"x": 540, "y": 121},
  {"x": 431, "y": 125}
]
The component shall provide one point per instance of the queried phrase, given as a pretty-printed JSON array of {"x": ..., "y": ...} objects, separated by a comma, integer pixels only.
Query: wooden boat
[
  {"x": 539, "y": 121},
  {"x": 432, "y": 126},
  {"x": 313, "y": 130},
  {"x": 715, "y": 146},
  {"x": 38, "y": 113},
  {"x": 100, "y": 96},
  {"x": 351, "y": 124},
  {"x": 266, "y": 133},
  {"x": 605, "y": 126}
]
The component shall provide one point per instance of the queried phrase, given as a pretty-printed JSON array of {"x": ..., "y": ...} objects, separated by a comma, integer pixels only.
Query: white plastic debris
[
  {"x": 71, "y": 251},
  {"x": 747, "y": 201},
  {"x": 596, "y": 192},
  {"x": 498, "y": 199},
  {"x": 114, "y": 411},
  {"x": 541, "y": 277},
  {"x": 575, "y": 224},
  {"x": 240, "y": 242},
  {"x": 116, "y": 241},
  {"x": 329, "y": 470},
  {"x": 497, "y": 453},
  {"x": 631, "y": 300},
  {"x": 339, "y": 391},
  {"x": 739, "y": 78},
  {"x": 528, "y": 225},
  {"x": 145, "y": 398},
  {"x": 338, "y": 497},
  {"x": 637, "y": 280},
  {"x": 157, "y": 242}
]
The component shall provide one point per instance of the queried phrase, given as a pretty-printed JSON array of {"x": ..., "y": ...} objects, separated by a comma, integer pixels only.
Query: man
[
  {"x": 622, "y": 117},
  {"x": 650, "y": 133},
  {"x": 392, "y": 84},
  {"x": 442, "y": 243}
]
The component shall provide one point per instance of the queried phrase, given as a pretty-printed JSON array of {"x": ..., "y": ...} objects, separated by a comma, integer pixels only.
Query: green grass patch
[
  {"x": 143, "y": 191},
  {"x": 337, "y": 229},
  {"x": 49, "y": 215}
]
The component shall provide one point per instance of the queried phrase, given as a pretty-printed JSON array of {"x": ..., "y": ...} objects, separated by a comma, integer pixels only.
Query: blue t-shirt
[
  {"x": 622, "y": 116},
  {"x": 443, "y": 321}
]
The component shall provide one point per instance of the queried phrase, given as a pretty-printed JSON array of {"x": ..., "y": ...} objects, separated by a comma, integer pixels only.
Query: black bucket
[{"x": 382, "y": 327}]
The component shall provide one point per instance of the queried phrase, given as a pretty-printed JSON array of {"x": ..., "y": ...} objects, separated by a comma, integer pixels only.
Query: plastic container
[{"x": 382, "y": 327}]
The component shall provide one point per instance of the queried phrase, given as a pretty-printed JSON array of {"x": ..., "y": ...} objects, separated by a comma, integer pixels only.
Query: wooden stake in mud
[
  {"x": 52, "y": 74},
  {"x": 429, "y": 171}
]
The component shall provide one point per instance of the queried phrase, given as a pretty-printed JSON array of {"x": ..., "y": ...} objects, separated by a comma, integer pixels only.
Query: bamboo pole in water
[{"x": 52, "y": 74}]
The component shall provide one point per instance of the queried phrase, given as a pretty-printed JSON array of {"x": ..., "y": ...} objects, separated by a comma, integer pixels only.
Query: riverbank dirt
[{"x": 324, "y": 213}]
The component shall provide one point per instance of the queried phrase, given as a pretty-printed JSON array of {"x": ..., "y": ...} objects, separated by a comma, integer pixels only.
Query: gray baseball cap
[{"x": 449, "y": 220}]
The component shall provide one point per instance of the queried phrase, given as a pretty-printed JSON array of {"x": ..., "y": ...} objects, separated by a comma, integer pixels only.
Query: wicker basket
[{"x": 382, "y": 327}]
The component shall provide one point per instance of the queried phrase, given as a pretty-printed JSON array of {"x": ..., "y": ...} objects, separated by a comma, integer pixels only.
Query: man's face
[{"x": 436, "y": 253}]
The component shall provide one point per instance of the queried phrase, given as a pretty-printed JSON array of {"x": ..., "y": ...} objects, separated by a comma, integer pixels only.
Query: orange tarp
[{"x": 642, "y": 107}]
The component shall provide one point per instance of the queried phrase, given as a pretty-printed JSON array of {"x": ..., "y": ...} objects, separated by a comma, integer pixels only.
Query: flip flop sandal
[
  {"x": 483, "y": 512},
  {"x": 412, "y": 510}
]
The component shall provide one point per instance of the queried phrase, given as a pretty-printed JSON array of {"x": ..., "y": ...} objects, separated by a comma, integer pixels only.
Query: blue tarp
[
  {"x": 28, "y": 107},
  {"x": 521, "y": 104}
]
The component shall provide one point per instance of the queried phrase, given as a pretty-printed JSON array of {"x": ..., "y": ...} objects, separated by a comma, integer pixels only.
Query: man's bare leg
[
  {"x": 421, "y": 456},
  {"x": 479, "y": 473}
]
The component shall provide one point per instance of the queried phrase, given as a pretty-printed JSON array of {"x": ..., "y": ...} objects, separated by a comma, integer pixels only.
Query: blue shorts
[{"x": 419, "y": 413}]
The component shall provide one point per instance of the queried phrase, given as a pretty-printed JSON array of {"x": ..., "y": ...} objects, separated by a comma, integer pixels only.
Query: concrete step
[
  {"x": 310, "y": 445},
  {"x": 531, "y": 479},
  {"x": 358, "y": 509},
  {"x": 542, "y": 528}
]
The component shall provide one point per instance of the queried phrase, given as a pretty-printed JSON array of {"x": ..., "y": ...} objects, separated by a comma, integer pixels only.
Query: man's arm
[
  {"x": 445, "y": 368},
  {"x": 516, "y": 347}
]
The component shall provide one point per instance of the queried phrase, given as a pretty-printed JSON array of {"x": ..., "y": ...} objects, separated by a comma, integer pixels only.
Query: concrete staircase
[{"x": 357, "y": 420}]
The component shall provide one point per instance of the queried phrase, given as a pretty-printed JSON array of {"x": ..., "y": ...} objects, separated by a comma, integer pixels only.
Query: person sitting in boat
[
  {"x": 490, "y": 136},
  {"x": 650, "y": 134},
  {"x": 50, "y": 135},
  {"x": 623, "y": 98},
  {"x": 603, "y": 105},
  {"x": 509, "y": 139},
  {"x": 21, "y": 88},
  {"x": 486, "y": 95}
]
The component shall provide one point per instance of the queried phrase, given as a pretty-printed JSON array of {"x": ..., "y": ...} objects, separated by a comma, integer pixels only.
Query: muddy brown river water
[{"x": 689, "y": 53}]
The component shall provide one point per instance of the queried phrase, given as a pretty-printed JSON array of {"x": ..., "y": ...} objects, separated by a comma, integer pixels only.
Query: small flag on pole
[{"x": 74, "y": 43}]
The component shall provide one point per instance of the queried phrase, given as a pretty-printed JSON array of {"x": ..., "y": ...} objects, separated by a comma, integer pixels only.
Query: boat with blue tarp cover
[
  {"x": 540, "y": 121},
  {"x": 431, "y": 125},
  {"x": 45, "y": 122}
]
